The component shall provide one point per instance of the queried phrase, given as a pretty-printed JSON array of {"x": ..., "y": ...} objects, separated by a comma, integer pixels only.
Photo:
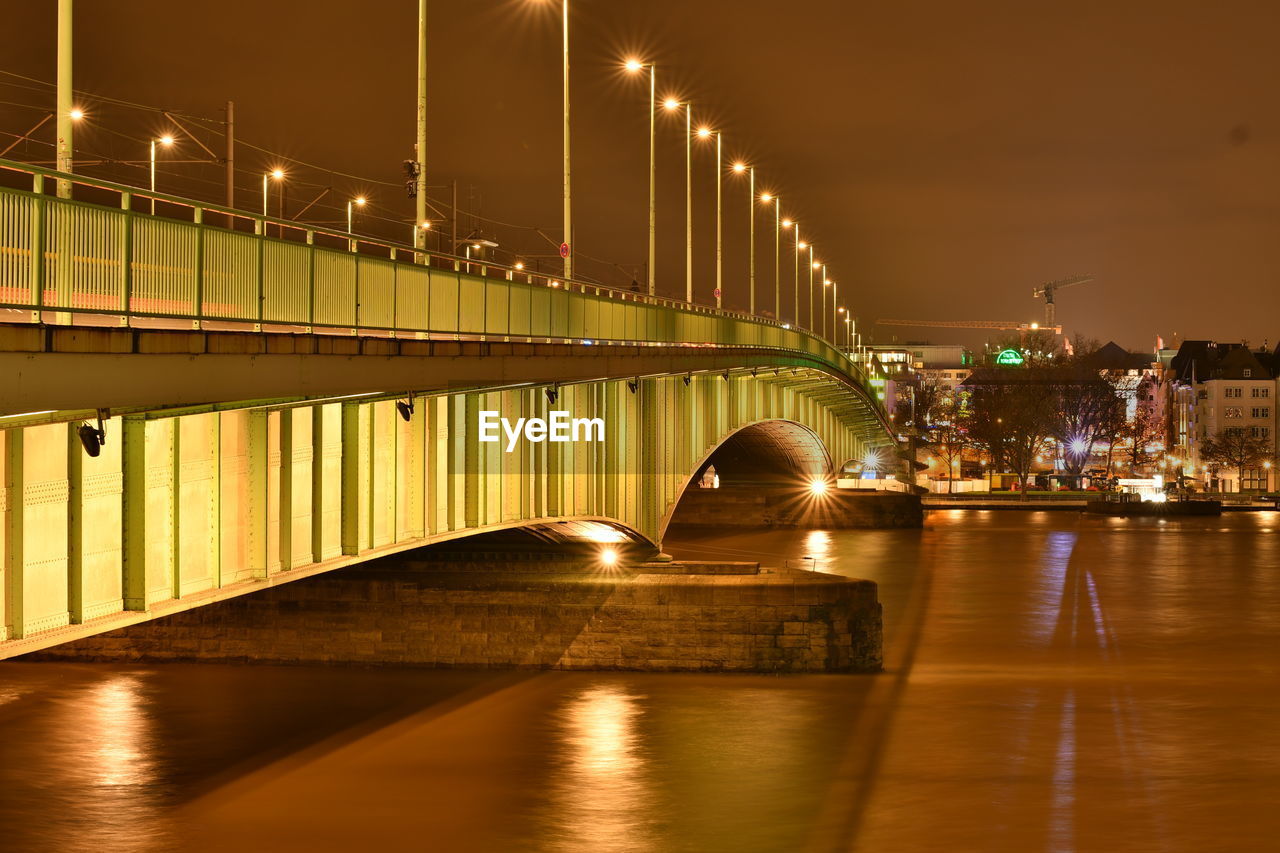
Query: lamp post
[
  {"x": 568, "y": 207},
  {"x": 165, "y": 141},
  {"x": 358, "y": 201},
  {"x": 420, "y": 152},
  {"x": 67, "y": 113},
  {"x": 751, "y": 240},
  {"x": 813, "y": 265},
  {"x": 826, "y": 282},
  {"x": 705, "y": 133},
  {"x": 273, "y": 175},
  {"x": 800, "y": 246},
  {"x": 672, "y": 104},
  {"x": 634, "y": 66}
]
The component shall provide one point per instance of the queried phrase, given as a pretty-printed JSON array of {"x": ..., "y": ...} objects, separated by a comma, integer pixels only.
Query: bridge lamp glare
[
  {"x": 739, "y": 167},
  {"x": 426, "y": 226},
  {"x": 671, "y": 104},
  {"x": 360, "y": 200},
  {"x": 802, "y": 245},
  {"x": 817, "y": 265},
  {"x": 786, "y": 223},
  {"x": 704, "y": 132},
  {"x": 609, "y": 557},
  {"x": 766, "y": 197},
  {"x": 278, "y": 174},
  {"x": 76, "y": 114},
  {"x": 166, "y": 140},
  {"x": 818, "y": 487},
  {"x": 519, "y": 265},
  {"x": 634, "y": 65}
]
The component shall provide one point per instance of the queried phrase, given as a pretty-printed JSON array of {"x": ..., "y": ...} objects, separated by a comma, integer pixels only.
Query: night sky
[{"x": 945, "y": 157}]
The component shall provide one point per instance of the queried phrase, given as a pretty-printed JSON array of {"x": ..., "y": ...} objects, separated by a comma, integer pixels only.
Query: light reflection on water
[{"x": 600, "y": 797}]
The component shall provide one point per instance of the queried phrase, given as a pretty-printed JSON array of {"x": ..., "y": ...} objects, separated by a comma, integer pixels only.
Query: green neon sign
[{"x": 1010, "y": 358}]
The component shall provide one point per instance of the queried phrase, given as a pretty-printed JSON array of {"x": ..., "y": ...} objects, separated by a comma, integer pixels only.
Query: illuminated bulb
[
  {"x": 519, "y": 265},
  {"x": 704, "y": 132},
  {"x": 277, "y": 174},
  {"x": 76, "y": 113},
  {"x": 671, "y": 104},
  {"x": 739, "y": 167},
  {"x": 475, "y": 245},
  {"x": 818, "y": 487},
  {"x": 166, "y": 140},
  {"x": 634, "y": 65},
  {"x": 826, "y": 282},
  {"x": 609, "y": 557},
  {"x": 786, "y": 223},
  {"x": 1035, "y": 326},
  {"x": 817, "y": 265},
  {"x": 361, "y": 200},
  {"x": 840, "y": 310}
]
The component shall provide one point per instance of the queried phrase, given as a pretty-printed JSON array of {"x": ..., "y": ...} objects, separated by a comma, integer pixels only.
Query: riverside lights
[{"x": 818, "y": 487}]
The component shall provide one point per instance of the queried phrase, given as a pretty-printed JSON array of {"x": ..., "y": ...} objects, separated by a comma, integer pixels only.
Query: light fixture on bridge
[
  {"x": 76, "y": 114},
  {"x": 405, "y": 408},
  {"x": 552, "y": 393},
  {"x": 609, "y": 557},
  {"x": 92, "y": 438},
  {"x": 818, "y": 487}
]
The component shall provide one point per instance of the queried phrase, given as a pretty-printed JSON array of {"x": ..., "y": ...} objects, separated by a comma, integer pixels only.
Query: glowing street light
[
  {"x": 166, "y": 141},
  {"x": 634, "y": 66},
  {"x": 274, "y": 174},
  {"x": 768, "y": 198},
  {"x": 672, "y": 104},
  {"x": 818, "y": 488},
  {"x": 739, "y": 168},
  {"x": 358, "y": 201},
  {"x": 706, "y": 133}
]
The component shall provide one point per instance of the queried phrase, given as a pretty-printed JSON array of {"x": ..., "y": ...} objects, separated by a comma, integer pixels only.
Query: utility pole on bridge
[{"x": 420, "y": 197}]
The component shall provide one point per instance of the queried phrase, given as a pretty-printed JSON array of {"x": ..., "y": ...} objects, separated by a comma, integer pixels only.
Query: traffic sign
[
  {"x": 717, "y": 293},
  {"x": 564, "y": 250}
]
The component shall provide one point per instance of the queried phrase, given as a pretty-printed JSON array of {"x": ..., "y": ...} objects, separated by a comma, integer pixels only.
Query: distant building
[{"x": 1214, "y": 388}]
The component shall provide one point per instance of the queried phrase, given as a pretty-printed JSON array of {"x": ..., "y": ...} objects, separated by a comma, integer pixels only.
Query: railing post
[
  {"x": 311, "y": 281},
  {"x": 198, "y": 217},
  {"x": 126, "y": 258},
  {"x": 38, "y": 215},
  {"x": 260, "y": 228}
]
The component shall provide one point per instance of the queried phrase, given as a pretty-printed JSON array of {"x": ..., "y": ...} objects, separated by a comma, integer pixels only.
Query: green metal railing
[{"x": 78, "y": 260}]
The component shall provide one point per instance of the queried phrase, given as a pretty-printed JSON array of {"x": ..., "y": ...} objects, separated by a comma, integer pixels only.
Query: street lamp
[
  {"x": 568, "y": 207},
  {"x": 358, "y": 201},
  {"x": 826, "y": 282},
  {"x": 705, "y": 133},
  {"x": 751, "y": 190},
  {"x": 813, "y": 265},
  {"x": 673, "y": 104},
  {"x": 165, "y": 141},
  {"x": 273, "y": 175},
  {"x": 635, "y": 66}
]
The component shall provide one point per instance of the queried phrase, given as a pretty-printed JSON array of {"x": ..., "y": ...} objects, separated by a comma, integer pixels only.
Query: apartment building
[{"x": 1215, "y": 388}]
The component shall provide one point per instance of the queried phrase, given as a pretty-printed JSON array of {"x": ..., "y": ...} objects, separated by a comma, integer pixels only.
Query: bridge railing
[{"x": 115, "y": 255}]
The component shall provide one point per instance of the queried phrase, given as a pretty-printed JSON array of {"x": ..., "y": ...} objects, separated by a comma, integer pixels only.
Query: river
[{"x": 1053, "y": 682}]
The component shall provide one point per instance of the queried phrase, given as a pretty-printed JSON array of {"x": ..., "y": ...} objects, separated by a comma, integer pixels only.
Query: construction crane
[{"x": 1048, "y": 289}]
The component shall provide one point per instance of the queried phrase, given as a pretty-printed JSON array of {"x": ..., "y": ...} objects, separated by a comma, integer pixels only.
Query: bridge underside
[{"x": 183, "y": 507}]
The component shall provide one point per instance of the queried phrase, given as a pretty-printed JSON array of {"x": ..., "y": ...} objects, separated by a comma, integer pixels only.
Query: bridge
[{"x": 199, "y": 402}]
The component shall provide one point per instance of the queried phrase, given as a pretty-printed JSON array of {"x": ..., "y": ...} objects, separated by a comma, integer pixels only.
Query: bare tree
[
  {"x": 946, "y": 432},
  {"x": 1235, "y": 448},
  {"x": 1022, "y": 403},
  {"x": 1139, "y": 432}
]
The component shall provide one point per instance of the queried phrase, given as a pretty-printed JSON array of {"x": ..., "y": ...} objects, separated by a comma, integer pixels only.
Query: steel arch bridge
[{"x": 254, "y": 379}]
